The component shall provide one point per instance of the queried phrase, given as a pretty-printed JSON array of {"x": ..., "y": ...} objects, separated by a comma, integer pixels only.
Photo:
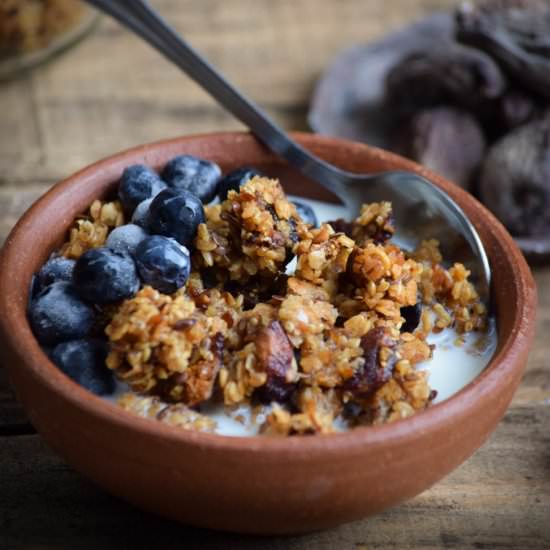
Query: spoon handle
[{"x": 143, "y": 20}]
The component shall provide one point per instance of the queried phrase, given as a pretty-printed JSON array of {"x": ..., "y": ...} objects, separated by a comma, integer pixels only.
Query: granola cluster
[
  {"x": 91, "y": 231},
  {"x": 251, "y": 234},
  {"x": 172, "y": 346},
  {"x": 174, "y": 414},
  {"x": 329, "y": 345}
]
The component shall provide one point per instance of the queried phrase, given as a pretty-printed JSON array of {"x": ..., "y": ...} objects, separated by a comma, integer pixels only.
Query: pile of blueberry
[{"x": 165, "y": 211}]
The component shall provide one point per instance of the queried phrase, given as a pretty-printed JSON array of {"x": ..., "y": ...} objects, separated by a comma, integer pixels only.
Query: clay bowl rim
[{"x": 503, "y": 364}]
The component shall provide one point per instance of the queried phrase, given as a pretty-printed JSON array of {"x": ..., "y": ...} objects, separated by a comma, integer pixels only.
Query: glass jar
[{"x": 32, "y": 31}]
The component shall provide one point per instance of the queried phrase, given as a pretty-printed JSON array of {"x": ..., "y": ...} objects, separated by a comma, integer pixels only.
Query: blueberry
[
  {"x": 56, "y": 269},
  {"x": 58, "y": 314},
  {"x": 163, "y": 263},
  {"x": 141, "y": 213},
  {"x": 176, "y": 214},
  {"x": 306, "y": 213},
  {"x": 103, "y": 276},
  {"x": 126, "y": 238},
  {"x": 198, "y": 176},
  {"x": 84, "y": 361},
  {"x": 138, "y": 182},
  {"x": 235, "y": 180}
]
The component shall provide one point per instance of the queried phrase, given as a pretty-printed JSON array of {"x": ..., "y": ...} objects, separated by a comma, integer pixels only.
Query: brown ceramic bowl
[{"x": 255, "y": 485}]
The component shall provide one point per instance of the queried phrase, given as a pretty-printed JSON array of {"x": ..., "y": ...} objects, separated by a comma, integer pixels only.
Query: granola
[
  {"x": 252, "y": 233},
  {"x": 91, "y": 230},
  {"x": 320, "y": 347}
]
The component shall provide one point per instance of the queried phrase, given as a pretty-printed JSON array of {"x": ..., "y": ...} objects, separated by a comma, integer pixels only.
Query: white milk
[{"x": 451, "y": 368}]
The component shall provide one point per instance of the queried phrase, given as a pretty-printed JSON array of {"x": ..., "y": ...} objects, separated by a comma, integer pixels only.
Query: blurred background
[{"x": 112, "y": 91}]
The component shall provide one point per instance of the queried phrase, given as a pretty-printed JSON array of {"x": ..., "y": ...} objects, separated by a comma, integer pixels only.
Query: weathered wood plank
[
  {"x": 20, "y": 140},
  {"x": 500, "y": 498},
  {"x": 14, "y": 200},
  {"x": 13, "y": 420}
]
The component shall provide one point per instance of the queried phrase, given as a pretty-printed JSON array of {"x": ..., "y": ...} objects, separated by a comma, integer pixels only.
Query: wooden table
[{"x": 113, "y": 92}]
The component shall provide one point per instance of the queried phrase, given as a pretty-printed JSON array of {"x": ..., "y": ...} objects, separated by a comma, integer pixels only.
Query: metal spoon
[{"x": 421, "y": 209}]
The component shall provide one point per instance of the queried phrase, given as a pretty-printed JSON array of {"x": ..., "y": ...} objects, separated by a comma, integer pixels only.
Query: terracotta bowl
[{"x": 255, "y": 485}]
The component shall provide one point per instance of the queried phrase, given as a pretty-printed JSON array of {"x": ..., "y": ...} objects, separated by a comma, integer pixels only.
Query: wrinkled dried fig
[
  {"x": 373, "y": 374},
  {"x": 515, "y": 179},
  {"x": 516, "y": 33},
  {"x": 451, "y": 73},
  {"x": 274, "y": 354},
  {"x": 514, "y": 108},
  {"x": 446, "y": 140}
]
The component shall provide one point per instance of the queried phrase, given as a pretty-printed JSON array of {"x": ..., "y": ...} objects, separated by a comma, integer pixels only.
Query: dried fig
[
  {"x": 275, "y": 354},
  {"x": 349, "y": 99},
  {"x": 515, "y": 179},
  {"x": 516, "y": 33},
  {"x": 373, "y": 374},
  {"x": 446, "y": 140},
  {"x": 451, "y": 73},
  {"x": 514, "y": 108}
]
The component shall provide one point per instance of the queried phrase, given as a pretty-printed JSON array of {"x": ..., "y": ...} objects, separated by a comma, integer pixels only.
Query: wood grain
[{"x": 112, "y": 92}]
